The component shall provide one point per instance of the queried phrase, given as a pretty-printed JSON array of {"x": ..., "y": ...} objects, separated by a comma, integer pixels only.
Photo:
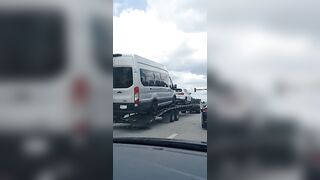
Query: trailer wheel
[
  {"x": 172, "y": 116},
  {"x": 176, "y": 115}
]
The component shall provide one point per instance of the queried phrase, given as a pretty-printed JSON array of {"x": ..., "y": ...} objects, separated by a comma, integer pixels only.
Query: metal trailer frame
[{"x": 170, "y": 114}]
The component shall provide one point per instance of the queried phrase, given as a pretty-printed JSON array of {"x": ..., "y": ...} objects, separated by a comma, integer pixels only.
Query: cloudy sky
[
  {"x": 259, "y": 43},
  {"x": 173, "y": 33}
]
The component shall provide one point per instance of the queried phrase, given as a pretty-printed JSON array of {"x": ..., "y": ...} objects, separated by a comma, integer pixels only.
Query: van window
[
  {"x": 165, "y": 80},
  {"x": 157, "y": 79},
  {"x": 31, "y": 44},
  {"x": 153, "y": 78},
  {"x": 147, "y": 77},
  {"x": 170, "y": 80},
  {"x": 122, "y": 77}
]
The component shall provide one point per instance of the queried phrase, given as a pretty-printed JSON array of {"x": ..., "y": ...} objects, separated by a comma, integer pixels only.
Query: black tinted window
[
  {"x": 165, "y": 80},
  {"x": 31, "y": 44},
  {"x": 153, "y": 78},
  {"x": 157, "y": 79},
  {"x": 147, "y": 77},
  {"x": 122, "y": 77}
]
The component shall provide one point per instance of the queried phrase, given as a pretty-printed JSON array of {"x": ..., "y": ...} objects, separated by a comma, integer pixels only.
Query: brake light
[
  {"x": 136, "y": 96},
  {"x": 80, "y": 91}
]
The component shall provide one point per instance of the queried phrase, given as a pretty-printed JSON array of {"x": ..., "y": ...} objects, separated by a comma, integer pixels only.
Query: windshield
[
  {"x": 166, "y": 97},
  {"x": 122, "y": 77},
  {"x": 31, "y": 44}
]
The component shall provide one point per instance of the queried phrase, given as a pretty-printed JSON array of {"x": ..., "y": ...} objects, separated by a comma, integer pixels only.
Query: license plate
[{"x": 123, "y": 106}]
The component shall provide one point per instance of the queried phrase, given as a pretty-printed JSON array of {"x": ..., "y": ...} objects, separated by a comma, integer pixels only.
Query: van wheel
[{"x": 154, "y": 108}]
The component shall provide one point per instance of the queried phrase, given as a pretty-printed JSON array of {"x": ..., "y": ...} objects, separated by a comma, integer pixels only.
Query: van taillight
[
  {"x": 136, "y": 96},
  {"x": 80, "y": 91}
]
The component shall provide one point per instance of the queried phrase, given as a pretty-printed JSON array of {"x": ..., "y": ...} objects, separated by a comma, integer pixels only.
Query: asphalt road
[{"x": 187, "y": 128}]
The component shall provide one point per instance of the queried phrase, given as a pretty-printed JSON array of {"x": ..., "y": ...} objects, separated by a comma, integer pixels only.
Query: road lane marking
[{"x": 172, "y": 136}]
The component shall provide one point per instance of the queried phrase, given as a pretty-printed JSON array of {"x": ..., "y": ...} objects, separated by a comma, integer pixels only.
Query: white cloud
[
  {"x": 189, "y": 80},
  {"x": 163, "y": 33},
  {"x": 260, "y": 56},
  {"x": 116, "y": 7},
  {"x": 189, "y": 15},
  {"x": 139, "y": 32}
]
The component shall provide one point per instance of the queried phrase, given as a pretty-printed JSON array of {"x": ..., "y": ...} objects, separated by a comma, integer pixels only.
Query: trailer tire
[
  {"x": 176, "y": 115},
  {"x": 171, "y": 116}
]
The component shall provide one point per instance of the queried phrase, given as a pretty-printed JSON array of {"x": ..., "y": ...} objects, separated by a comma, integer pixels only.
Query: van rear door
[
  {"x": 32, "y": 57},
  {"x": 123, "y": 84}
]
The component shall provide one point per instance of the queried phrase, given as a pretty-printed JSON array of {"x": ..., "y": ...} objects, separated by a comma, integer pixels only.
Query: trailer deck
[{"x": 170, "y": 113}]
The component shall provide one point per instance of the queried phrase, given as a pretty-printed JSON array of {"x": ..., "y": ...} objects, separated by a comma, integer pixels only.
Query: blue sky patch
[{"x": 120, "y": 5}]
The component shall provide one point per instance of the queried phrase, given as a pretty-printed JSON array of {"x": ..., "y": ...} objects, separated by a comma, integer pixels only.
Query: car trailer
[{"x": 170, "y": 114}]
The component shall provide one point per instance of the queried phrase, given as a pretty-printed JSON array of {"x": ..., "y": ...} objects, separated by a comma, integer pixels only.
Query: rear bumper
[{"x": 120, "y": 109}]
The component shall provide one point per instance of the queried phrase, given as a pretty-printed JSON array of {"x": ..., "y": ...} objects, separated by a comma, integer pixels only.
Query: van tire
[{"x": 144, "y": 123}]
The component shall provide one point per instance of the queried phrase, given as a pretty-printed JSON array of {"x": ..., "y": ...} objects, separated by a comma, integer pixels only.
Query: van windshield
[
  {"x": 122, "y": 77},
  {"x": 31, "y": 44}
]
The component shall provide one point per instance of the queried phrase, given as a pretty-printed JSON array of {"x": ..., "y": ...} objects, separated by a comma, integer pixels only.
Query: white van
[
  {"x": 53, "y": 72},
  {"x": 140, "y": 85}
]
